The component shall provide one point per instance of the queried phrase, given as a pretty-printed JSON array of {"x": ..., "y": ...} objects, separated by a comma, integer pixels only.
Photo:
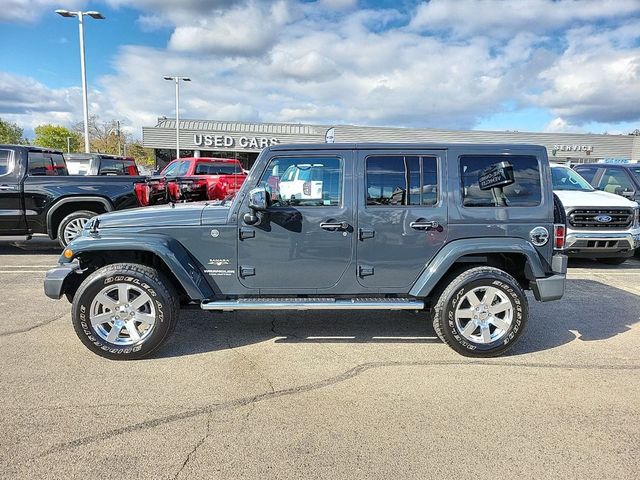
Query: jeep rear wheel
[
  {"x": 124, "y": 311},
  {"x": 481, "y": 313}
]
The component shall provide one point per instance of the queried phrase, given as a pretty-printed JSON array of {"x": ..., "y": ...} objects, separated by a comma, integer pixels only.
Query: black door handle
[{"x": 334, "y": 226}]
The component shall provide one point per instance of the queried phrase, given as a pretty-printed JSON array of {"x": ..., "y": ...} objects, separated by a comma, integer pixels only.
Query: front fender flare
[
  {"x": 450, "y": 253},
  {"x": 168, "y": 249}
]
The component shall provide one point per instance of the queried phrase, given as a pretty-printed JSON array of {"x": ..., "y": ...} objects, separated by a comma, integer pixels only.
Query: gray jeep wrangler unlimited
[{"x": 459, "y": 231}]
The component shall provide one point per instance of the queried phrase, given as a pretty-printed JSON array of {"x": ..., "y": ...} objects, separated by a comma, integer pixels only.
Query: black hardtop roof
[
  {"x": 31, "y": 148},
  {"x": 405, "y": 146}
]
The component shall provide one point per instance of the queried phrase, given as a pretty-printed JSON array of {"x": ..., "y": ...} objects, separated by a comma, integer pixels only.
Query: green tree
[
  {"x": 105, "y": 137},
  {"x": 143, "y": 156},
  {"x": 10, "y": 132},
  {"x": 56, "y": 136}
]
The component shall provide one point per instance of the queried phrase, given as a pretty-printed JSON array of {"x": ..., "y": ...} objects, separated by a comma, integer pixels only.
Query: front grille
[{"x": 621, "y": 218}]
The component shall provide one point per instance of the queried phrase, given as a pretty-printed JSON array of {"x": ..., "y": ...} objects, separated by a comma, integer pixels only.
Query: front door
[
  {"x": 12, "y": 218},
  {"x": 402, "y": 215},
  {"x": 305, "y": 239}
]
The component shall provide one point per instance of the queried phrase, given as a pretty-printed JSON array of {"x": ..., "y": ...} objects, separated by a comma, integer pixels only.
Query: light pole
[
  {"x": 177, "y": 82},
  {"x": 85, "y": 103}
]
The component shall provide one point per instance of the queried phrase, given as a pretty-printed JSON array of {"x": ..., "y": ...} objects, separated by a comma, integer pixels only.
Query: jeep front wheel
[
  {"x": 124, "y": 311},
  {"x": 481, "y": 313}
]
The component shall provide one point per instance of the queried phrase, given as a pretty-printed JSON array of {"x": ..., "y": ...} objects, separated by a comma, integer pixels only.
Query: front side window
[
  {"x": 304, "y": 181},
  {"x": 399, "y": 180},
  {"x": 615, "y": 180},
  {"x": 500, "y": 181},
  {"x": 564, "y": 178},
  {"x": 6, "y": 162},
  {"x": 636, "y": 172}
]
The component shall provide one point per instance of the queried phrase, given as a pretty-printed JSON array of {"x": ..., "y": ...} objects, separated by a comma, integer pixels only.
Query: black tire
[
  {"x": 444, "y": 311},
  {"x": 613, "y": 260},
  {"x": 66, "y": 221},
  {"x": 163, "y": 307}
]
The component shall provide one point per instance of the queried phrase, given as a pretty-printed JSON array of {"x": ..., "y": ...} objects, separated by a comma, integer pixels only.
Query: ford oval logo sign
[{"x": 603, "y": 218}]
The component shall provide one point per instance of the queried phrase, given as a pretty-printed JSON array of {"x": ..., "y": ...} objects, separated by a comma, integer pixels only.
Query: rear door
[
  {"x": 12, "y": 217},
  {"x": 402, "y": 216}
]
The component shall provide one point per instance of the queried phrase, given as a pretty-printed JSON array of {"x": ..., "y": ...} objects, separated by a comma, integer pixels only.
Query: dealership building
[{"x": 241, "y": 140}]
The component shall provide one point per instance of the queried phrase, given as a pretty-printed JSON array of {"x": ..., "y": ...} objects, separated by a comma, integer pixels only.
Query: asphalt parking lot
[{"x": 328, "y": 395}]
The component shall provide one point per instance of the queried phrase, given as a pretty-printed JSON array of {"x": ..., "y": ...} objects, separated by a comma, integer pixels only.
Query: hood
[
  {"x": 596, "y": 198},
  {"x": 180, "y": 214}
]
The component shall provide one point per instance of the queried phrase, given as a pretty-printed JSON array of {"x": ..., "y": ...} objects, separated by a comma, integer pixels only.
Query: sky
[{"x": 526, "y": 65}]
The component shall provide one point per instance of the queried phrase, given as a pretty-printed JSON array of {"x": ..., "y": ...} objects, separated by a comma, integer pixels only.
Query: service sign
[{"x": 497, "y": 175}]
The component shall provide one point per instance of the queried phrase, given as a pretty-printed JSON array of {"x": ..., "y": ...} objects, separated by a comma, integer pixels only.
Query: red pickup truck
[{"x": 193, "y": 179}]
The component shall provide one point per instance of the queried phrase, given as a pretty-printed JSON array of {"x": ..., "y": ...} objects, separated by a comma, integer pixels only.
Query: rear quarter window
[{"x": 522, "y": 190}]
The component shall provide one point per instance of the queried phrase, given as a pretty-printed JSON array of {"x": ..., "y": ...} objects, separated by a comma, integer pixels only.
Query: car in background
[
  {"x": 194, "y": 179},
  {"x": 37, "y": 194},
  {"x": 600, "y": 224},
  {"x": 621, "y": 179},
  {"x": 100, "y": 164}
]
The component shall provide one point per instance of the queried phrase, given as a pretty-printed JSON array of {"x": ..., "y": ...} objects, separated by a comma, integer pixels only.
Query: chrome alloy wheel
[
  {"x": 484, "y": 315},
  {"x": 122, "y": 314},
  {"x": 74, "y": 228}
]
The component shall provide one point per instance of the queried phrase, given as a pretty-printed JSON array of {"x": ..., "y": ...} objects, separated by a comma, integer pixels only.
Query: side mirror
[
  {"x": 627, "y": 193},
  {"x": 259, "y": 199}
]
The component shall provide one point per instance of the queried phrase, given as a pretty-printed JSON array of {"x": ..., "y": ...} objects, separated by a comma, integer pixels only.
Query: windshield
[{"x": 566, "y": 179}]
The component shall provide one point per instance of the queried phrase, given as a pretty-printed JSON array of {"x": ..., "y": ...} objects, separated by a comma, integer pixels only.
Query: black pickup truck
[{"x": 37, "y": 194}]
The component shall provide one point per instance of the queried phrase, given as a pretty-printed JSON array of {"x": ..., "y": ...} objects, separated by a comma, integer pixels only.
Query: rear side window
[
  {"x": 500, "y": 181},
  {"x": 6, "y": 164},
  {"x": 110, "y": 166},
  {"x": 399, "y": 180},
  {"x": 39, "y": 164},
  {"x": 215, "y": 169},
  {"x": 59, "y": 166}
]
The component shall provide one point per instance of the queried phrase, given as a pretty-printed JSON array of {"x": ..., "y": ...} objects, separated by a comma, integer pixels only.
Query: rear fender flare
[
  {"x": 64, "y": 201},
  {"x": 438, "y": 267}
]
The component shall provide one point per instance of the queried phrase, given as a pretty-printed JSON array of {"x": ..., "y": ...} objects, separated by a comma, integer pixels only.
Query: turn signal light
[
  {"x": 559, "y": 236},
  {"x": 67, "y": 253}
]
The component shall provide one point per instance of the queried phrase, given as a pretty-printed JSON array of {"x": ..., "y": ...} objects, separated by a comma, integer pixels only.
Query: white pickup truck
[{"x": 600, "y": 225}]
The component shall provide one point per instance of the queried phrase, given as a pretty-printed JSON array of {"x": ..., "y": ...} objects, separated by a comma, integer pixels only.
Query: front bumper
[
  {"x": 55, "y": 278},
  {"x": 596, "y": 244},
  {"x": 552, "y": 287}
]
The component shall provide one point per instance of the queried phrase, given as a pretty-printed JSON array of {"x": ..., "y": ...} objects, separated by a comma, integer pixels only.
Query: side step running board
[{"x": 315, "y": 304}]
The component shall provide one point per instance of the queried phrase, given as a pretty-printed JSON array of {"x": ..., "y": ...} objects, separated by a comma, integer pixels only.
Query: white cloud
[
  {"x": 32, "y": 10},
  {"x": 596, "y": 78},
  {"x": 248, "y": 29},
  {"x": 499, "y": 18}
]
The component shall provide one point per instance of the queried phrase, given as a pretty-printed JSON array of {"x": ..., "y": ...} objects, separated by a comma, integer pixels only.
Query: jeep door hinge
[
  {"x": 246, "y": 232},
  {"x": 365, "y": 233},
  {"x": 246, "y": 271},
  {"x": 365, "y": 270}
]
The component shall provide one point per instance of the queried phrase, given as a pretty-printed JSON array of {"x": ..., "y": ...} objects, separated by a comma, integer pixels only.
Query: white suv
[{"x": 599, "y": 224}]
